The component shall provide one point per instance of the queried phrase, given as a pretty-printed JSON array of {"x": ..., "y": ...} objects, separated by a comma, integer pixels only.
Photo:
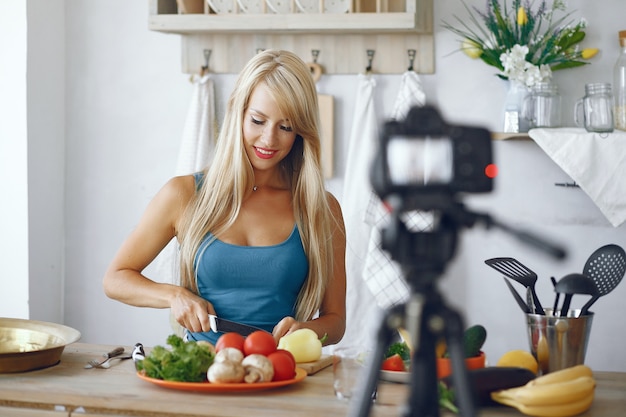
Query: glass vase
[{"x": 514, "y": 122}]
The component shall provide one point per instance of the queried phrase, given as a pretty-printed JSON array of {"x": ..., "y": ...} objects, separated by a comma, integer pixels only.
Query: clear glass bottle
[{"x": 619, "y": 85}]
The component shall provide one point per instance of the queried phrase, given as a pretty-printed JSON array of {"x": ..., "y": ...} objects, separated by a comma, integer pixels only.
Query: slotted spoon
[
  {"x": 606, "y": 267},
  {"x": 519, "y": 272}
]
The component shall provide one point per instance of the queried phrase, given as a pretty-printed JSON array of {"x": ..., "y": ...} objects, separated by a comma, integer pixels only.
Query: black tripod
[{"x": 423, "y": 257}]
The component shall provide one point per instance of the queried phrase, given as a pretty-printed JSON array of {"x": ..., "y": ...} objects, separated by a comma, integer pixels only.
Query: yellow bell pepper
[{"x": 303, "y": 345}]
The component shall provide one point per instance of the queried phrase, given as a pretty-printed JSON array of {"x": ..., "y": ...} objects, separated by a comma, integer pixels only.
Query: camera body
[{"x": 426, "y": 161}]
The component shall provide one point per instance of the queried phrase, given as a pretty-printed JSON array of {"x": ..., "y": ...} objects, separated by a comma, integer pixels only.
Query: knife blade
[{"x": 219, "y": 324}]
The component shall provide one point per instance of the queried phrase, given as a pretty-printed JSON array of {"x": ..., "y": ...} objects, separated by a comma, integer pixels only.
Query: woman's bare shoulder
[
  {"x": 178, "y": 191},
  {"x": 334, "y": 205}
]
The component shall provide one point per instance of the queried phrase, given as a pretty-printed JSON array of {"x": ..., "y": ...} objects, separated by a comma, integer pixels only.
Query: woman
[{"x": 261, "y": 241}]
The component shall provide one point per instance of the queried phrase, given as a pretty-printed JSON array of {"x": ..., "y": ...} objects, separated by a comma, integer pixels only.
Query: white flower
[{"x": 516, "y": 68}]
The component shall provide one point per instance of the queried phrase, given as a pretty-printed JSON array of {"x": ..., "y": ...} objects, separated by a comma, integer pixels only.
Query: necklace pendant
[{"x": 255, "y": 188}]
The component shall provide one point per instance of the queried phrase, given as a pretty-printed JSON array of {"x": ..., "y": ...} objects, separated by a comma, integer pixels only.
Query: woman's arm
[
  {"x": 124, "y": 281},
  {"x": 332, "y": 314}
]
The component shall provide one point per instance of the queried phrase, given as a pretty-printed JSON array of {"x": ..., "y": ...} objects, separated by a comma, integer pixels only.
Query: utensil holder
[{"x": 559, "y": 342}]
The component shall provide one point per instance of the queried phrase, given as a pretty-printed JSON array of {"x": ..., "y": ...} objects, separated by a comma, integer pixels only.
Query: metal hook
[
  {"x": 411, "y": 53},
  {"x": 315, "y": 53},
  {"x": 370, "y": 58}
]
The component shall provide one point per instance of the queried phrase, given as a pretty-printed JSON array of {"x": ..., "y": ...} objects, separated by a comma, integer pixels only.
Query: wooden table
[{"x": 68, "y": 389}]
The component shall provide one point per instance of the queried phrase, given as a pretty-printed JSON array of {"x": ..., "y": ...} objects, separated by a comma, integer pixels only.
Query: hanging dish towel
[
  {"x": 382, "y": 275},
  {"x": 196, "y": 148},
  {"x": 200, "y": 131},
  {"x": 596, "y": 162},
  {"x": 361, "y": 147}
]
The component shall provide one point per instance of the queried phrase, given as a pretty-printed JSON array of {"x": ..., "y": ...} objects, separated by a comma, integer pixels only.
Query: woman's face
[{"x": 268, "y": 135}]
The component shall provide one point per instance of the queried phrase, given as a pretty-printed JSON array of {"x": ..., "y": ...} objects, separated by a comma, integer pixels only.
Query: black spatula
[{"x": 517, "y": 271}]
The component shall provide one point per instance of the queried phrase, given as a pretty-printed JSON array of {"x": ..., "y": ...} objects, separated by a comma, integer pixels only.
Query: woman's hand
[
  {"x": 285, "y": 326},
  {"x": 191, "y": 311}
]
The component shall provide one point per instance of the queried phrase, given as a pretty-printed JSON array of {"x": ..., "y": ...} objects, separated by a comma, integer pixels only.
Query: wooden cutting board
[
  {"x": 326, "y": 106},
  {"x": 314, "y": 367}
]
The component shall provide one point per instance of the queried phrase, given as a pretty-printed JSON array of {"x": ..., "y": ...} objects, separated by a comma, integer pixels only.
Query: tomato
[
  {"x": 231, "y": 339},
  {"x": 393, "y": 363},
  {"x": 284, "y": 364},
  {"x": 259, "y": 342}
]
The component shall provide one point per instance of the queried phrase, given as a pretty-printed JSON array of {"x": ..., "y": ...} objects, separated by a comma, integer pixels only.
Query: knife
[
  {"x": 219, "y": 324},
  {"x": 524, "y": 306}
]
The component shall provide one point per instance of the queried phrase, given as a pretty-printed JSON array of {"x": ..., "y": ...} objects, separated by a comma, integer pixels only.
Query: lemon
[{"x": 519, "y": 359}]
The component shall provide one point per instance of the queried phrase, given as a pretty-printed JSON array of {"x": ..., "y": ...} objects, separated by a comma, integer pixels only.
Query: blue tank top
[{"x": 255, "y": 285}]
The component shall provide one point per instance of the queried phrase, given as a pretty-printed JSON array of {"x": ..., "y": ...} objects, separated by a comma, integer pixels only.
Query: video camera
[{"x": 426, "y": 161}]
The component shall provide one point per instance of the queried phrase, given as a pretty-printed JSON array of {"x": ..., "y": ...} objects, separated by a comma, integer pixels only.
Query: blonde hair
[{"x": 230, "y": 177}]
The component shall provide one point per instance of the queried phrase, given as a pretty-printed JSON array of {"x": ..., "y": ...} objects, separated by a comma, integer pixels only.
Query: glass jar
[
  {"x": 597, "y": 108},
  {"x": 542, "y": 107}
]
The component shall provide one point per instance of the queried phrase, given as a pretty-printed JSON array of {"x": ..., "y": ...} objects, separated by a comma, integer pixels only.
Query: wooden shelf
[
  {"x": 295, "y": 23},
  {"x": 342, "y": 39},
  {"x": 509, "y": 136}
]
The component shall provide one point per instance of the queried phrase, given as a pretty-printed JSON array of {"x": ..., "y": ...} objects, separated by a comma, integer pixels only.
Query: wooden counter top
[{"x": 68, "y": 387}]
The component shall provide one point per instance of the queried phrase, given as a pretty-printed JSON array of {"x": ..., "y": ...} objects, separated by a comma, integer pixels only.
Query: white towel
[
  {"x": 200, "y": 131},
  {"x": 197, "y": 145},
  {"x": 596, "y": 162},
  {"x": 361, "y": 146},
  {"x": 382, "y": 275}
]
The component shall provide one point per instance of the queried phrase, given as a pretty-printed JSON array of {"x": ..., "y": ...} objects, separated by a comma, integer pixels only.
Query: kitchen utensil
[
  {"x": 606, "y": 267},
  {"x": 517, "y": 297},
  {"x": 515, "y": 270},
  {"x": 571, "y": 284},
  {"x": 557, "y": 296},
  {"x": 95, "y": 363},
  {"x": 26, "y": 345},
  {"x": 558, "y": 342},
  {"x": 106, "y": 364},
  {"x": 219, "y": 324}
]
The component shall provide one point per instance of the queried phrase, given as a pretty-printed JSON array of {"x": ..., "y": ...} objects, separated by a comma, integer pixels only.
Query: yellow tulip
[
  {"x": 588, "y": 53},
  {"x": 471, "y": 48},
  {"x": 522, "y": 17}
]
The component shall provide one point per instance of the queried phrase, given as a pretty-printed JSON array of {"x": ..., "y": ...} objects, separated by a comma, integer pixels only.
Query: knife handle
[{"x": 115, "y": 352}]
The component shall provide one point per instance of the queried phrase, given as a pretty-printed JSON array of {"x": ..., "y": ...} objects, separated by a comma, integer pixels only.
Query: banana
[
  {"x": 563, "y": 375},
  {"x": 548, "y": 395},
  {"x": 563, "y": 393},
  {"x": 566, "y": 409}
]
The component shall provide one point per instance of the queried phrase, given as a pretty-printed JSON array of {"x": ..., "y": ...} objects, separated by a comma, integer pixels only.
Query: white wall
[
  {"x": 125, "y": 105},
  {"x": 13, "y": 162}
]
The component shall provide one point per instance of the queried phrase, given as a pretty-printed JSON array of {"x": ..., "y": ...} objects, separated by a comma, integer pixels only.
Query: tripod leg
[
  {"x": 423, "y": 399},
  {"x": 369, "y": 382},
  {"x": 460, "y": 377}
]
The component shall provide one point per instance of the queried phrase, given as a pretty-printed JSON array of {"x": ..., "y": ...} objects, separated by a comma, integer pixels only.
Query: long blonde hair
[{"x": 230, "y": 177}]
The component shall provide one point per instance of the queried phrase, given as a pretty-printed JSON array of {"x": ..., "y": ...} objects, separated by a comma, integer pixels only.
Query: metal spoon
[
  {"x": 606, "y": 267},
  {"x": 574, "y": 284}
]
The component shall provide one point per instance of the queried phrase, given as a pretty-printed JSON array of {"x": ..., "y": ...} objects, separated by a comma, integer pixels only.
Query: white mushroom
[
  {"x": 229, "y": 354},
  {"x": 258, "y": 368},
  {"x": 226, "y": 372}
]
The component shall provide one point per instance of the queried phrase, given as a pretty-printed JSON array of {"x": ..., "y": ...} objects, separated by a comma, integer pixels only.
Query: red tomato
[
  {"x": 393, "y": 363},
  {"x": 284, "y": 364},
  {"x": 232, "y": 339},
  {"x": 259, "y": 342}
]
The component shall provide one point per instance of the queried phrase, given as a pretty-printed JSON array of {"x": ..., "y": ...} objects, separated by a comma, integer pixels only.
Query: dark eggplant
[{"x": 494, "y": 378}]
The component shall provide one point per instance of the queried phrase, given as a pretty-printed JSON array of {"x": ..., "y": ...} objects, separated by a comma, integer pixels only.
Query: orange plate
[{"x": 212, "y": 387}]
